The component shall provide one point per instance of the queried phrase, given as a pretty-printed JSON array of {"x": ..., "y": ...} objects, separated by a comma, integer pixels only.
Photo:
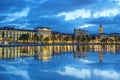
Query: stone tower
[{"x": 100, "y": 29}]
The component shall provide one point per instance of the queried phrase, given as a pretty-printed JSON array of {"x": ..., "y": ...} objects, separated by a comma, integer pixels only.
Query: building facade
[
  {"x": 79, "y": 32},
  {"x": 43, "y": 31},
  {"x": 8, "y": 34}
]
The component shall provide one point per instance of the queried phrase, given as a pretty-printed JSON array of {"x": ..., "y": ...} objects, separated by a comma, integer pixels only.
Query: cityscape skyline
[
  {"x": 58, "y": 15},
  {"x": 100, "y": 26},
  {"x": 47, "y": 35}
]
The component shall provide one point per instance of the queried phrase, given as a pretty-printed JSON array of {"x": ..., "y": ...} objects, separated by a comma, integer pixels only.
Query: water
[{"x": 60, "y": 62}]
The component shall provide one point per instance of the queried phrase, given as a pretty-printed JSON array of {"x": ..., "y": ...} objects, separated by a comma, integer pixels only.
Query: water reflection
[
  {"x": 80, "y": 51},
  {"x": 46, "y": 52},
  {"x": 101, "y": 56}
]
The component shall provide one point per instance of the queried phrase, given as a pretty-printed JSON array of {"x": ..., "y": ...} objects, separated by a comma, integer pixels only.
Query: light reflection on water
[{"x": 93, "y": 62}]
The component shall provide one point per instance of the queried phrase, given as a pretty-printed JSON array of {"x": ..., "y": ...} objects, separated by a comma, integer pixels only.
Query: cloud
[
  {"x": 15, "y": 71},
  {"x": 86, "y": 25},
  {"x": 83, "y": 73},
  {"x": 107, "y": 13},
  {"x": 86, "y": 61},
  {"x": 89, "y": 73},
  {"x": 60, "y": 13},
  {"x": 116, "y": 1},
  {"x": 75, "y": 14},
  {"x": 16, "y": 15},
  {"x": 107, "y": 74},
  {"x": 36, "y": 2},
  {"x": 105, "y": 20}
]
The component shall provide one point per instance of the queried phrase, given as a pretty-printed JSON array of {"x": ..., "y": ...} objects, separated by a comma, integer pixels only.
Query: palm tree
[
  {"x": 72, "y": 38},
  {"x": 41, "y": 38},
  {"x": 24, "y": 37},
  {"x": 111, "y": 40},
  {"x": 87, "y": 39},
  {"x": 3, "y": 35},
  {"x": 93, "y": 38},
  {"x": 117, "y": 39},
  {"x": 35, "y": 38},
  {"x": 81, "y": 39},
  {"x": 105, "y": 40},
  {"x": 47, "y": 39},
  {"x": 67, "y": 38},
  {"x": 53, "y": 38},
  {"x": 78, "y": 39},
  {"x": 10, "y": 39},
  {"x": 60, "y": 38}
]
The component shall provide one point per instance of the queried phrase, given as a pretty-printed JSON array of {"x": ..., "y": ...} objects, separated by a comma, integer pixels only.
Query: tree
[
  {"x": 72, "y": 38},
  {"x": 60, "y": 38},
  {"x": 87, "y": 39},
  {"x": 105, "y": 40},
  {"x": 93, "y": 37},
  {"x": 3, "y": 35},
  {"x": 82, "y": 39},
  {"x": 78, "y": 39},
  {"x": 47, "y": 39},
  {"x": 53, "y": 38},
  {"x": 41, "y": 38},
  {"x": 67, "y": 38},
  {"x": 10, "y": 39},
  {"x": 24, "y": 37},
  {"x": 35, "y": 38}
]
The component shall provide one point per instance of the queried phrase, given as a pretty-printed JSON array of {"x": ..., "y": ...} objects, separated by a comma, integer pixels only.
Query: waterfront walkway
[{"x": 15, "y": 45}]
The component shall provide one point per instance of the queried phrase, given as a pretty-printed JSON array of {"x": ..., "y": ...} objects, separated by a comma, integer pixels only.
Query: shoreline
[{"x": 16, "y": 45}]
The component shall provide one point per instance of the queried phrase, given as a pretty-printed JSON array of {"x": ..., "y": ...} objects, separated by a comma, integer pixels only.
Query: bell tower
[{"x": 100, "y": 29}]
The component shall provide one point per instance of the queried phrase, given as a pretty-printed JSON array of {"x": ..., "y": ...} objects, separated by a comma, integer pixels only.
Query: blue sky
[{"x": 62, "y": 15}]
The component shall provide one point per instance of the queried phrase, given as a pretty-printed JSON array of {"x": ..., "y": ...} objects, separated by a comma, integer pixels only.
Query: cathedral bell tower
[{"x": 100, "y": 29}]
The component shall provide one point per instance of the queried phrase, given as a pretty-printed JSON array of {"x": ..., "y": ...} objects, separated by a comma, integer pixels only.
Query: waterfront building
[
  {"x": 46, "y": 35},
  {"x": 43, "y": 32},
  {"x": 115, "y": 34},
  {"x": 79, "y": 32},
  {"x": 9, "y": 35}
]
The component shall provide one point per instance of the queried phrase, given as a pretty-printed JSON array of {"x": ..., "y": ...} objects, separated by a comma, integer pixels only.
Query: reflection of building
[
  {"x": 80, "y": 51},
  {"x": 101, "y": 56},
  {"x": 80, "y": 54},
  {"x": 46, "y": 52},
  {"x": 43, "y": 54}
]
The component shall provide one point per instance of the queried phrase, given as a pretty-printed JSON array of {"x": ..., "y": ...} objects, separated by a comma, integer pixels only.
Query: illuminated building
[
  {"x": 8, "y": 34},
  {"x": 43, "y": 31},
  {"x": 46, "y": 35},
  {"x": 78, "y": 32},
  {"x": 100, "y": 29}
]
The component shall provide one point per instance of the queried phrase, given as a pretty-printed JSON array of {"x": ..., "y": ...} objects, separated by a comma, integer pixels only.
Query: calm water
[{"x": 60, "y": 62}]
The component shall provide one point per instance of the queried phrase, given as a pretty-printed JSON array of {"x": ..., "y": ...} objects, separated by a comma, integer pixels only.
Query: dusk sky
[{"x": 62, "y": 15}]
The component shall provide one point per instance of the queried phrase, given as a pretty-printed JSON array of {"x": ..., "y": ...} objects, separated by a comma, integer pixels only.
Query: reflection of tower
[
  {"x": 100, "y": 56},
  {"x": 100, "y": 29}
]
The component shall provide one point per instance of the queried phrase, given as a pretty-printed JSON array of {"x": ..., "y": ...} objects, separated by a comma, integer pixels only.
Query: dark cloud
[
  {"x": 56, "y": 6},
  {"x": 6, "y": 5},
  {"x": 43, "y": 13},
  {"x": 57, "y": 24},
  {"x": 105, "y": 20}
]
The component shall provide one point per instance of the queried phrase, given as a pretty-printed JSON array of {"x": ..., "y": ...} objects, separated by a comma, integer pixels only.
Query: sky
[{"x": 62, "y": 15}]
